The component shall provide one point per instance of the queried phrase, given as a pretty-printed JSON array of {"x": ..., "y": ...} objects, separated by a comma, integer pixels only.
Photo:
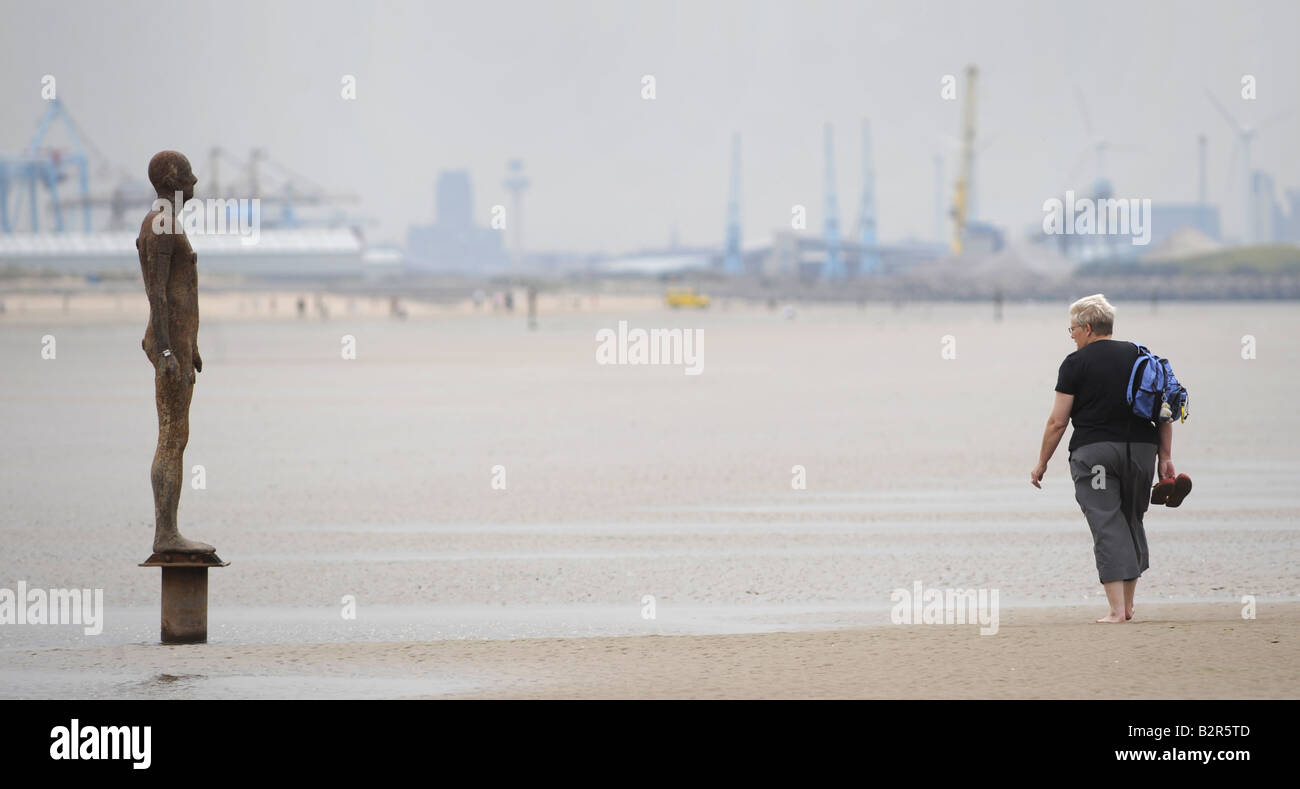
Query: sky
[{"x": 450, "y": 85}]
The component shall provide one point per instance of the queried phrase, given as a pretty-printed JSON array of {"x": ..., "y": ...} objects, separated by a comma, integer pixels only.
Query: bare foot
[
  {"x": 175, "y": 543},
  {"x": 1112, "y": 619},
  {"x": 1128, "y": 614}
]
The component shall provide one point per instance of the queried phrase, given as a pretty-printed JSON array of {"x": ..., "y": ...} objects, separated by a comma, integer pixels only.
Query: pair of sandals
[{"x": 1172, "y": 490}]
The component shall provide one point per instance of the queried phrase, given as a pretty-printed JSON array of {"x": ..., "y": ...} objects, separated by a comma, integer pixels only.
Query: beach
[
  {"x": 513, "y": 519},
  {"x": 1200, "y": 651}
]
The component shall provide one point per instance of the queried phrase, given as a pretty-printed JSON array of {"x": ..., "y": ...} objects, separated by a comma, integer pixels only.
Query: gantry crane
[{"x": 39, "y": 166}]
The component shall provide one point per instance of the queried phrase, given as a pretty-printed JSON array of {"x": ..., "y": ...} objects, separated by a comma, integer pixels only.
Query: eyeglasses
[{"x": 1070, "y": 331}]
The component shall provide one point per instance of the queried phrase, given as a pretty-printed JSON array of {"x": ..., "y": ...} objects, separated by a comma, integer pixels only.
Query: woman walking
[{"x": 1113, "y": 452}]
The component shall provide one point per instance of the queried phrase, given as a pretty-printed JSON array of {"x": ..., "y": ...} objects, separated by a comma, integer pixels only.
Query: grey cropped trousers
[{"x": 1114, "y": 501}]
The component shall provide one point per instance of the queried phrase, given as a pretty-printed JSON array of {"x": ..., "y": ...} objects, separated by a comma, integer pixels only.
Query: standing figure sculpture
[{"x": 171, "y": 340}]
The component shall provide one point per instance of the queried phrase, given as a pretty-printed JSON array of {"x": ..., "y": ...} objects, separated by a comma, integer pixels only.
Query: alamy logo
[
  {"x": 212, "y": 216},
  {"x": 53, "y": 607},
  {"x": 946, "y": 607},
  {"x": 102, "y": 742},
  {"x": 1086, "y": 216},
  {"x": 653, "y": 346}
]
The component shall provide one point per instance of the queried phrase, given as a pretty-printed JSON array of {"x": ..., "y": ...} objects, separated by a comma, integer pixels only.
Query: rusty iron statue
[{"x": 171, "y": 340}]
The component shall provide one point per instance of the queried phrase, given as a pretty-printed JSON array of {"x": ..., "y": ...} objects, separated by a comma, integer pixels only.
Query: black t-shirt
[{"x": 1097, "y": 375}]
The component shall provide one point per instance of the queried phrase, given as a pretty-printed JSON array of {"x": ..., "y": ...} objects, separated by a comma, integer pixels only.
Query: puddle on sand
[{"x": 96, "y": 685}]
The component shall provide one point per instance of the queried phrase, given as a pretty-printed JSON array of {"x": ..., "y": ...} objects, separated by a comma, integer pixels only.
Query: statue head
[{"x": 169, "y": 172}]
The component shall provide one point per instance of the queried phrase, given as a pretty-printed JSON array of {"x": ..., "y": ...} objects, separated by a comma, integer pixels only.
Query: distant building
[
  {"x": 1163, "y": 221},
  {"x": 1264, "y": 210},
  {"x": 790, "y": 255},
  {"x": 454, "y": 200},
  {"x": 659, "y": 262},
  {"x": 1289, "y": 226},
  {"x": 1168, "y": 218},
  {"x": 305, "y": 252},
  {"x": 453, "y": 242},
  {"x": 982, "y": 237}
]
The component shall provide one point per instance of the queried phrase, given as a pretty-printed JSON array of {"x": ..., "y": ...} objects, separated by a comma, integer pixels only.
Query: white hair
[{"x": 1094, "y": 311}]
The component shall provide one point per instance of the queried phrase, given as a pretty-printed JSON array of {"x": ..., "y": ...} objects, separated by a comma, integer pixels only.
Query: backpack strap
[{"x": 1142, "y": 351}]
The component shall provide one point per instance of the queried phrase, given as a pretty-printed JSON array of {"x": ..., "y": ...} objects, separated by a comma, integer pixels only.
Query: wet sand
[
  {"x": 1199, "y": 651},
  {"x": 372, "y": 477}
]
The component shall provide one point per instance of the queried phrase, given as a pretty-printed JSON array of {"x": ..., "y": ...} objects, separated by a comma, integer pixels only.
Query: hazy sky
[{"x": 558, "y": 84}]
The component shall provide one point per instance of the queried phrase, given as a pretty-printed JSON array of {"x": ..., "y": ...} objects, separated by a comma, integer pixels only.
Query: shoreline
[
  {"x": 1206, "y": 651},
  {"x": 24, "y": 304}
]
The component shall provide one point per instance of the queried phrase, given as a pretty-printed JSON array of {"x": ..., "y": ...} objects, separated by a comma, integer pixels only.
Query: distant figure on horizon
[{"x": 1113, "y": 493}]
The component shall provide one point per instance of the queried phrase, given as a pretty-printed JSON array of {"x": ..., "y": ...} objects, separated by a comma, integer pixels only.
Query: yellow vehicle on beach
[{"x": 686, "y": 297}]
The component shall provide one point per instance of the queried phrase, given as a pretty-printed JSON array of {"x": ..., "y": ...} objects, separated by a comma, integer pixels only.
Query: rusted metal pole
[{"x": 184, "y": 618}]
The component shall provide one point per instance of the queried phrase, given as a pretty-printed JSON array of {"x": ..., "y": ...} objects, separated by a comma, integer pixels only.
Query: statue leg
[{"x": 173, "y": 393}]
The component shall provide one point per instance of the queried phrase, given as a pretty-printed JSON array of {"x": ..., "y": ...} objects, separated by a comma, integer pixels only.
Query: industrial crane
[
  {"x": 961, "y": 199},
  {"x": 41, "y": 166}
]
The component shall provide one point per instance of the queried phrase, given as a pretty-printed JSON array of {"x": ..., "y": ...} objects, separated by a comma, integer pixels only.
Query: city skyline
[{"x": 560, "y": 86}]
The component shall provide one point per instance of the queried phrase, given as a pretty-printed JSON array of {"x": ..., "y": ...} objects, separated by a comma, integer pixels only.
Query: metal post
[{"x": 184, "y": 617}]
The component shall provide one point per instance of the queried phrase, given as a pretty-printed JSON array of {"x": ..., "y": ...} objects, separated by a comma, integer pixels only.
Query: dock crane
[
  {"x": 961, "y": 198},
  {"x": 732, "y": 262},
  {"x": 48, "y": 167}
]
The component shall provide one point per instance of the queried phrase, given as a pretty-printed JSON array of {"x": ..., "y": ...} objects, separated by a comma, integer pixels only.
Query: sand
[
  {"x": 1168, "y": 651},
  {"x": 371, "y": 477}
]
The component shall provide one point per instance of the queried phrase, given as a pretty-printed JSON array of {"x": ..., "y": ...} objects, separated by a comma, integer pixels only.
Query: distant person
[
  {"x": 1111, "y": 484},
  {"x": 395, "y": 308}
]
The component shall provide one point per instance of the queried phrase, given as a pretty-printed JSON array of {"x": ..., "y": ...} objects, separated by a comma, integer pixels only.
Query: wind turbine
[
  {"x": 1098, "y": 146},
  {"x": 1245, "y": 136}
]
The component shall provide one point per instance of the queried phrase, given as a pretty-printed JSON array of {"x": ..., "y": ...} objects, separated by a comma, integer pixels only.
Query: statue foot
[{"x": 175, "y": 543}]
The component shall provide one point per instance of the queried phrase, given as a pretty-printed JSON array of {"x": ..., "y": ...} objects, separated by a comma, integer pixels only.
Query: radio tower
[
  {"x": 516, "y": 182},
  {"x": 831, "y": 227}
]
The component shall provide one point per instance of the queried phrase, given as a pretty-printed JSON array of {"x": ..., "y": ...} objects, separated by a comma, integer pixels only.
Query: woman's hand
[
  {"x": 1166, "y": 469},
  {"x": 1036, "y": 476}
]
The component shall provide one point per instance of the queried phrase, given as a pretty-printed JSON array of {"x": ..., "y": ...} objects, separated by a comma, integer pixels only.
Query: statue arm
[
  {"x": 198, "y": 360},
  {"x": 158, "y": 262}
]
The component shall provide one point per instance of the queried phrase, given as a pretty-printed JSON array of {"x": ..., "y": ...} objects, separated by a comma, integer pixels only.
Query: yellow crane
[{"x": 961, "y": 199}]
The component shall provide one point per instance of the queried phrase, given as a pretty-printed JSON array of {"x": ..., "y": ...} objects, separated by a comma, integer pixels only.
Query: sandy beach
[
  {"x": 372, "y": 477},
  {"x": 1201, "y": 651}
]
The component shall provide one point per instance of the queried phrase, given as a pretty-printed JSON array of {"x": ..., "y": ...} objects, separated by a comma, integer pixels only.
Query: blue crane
[
  {"x": 37, "y": 167},
  {"x": 732, "y": 262},
  {"x": 867, "y": 213},
  {"x": 831, "y": 226}
]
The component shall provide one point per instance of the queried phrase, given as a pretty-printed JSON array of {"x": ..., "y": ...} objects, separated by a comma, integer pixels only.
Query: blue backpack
[{"x": 1153, "y": 390}]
